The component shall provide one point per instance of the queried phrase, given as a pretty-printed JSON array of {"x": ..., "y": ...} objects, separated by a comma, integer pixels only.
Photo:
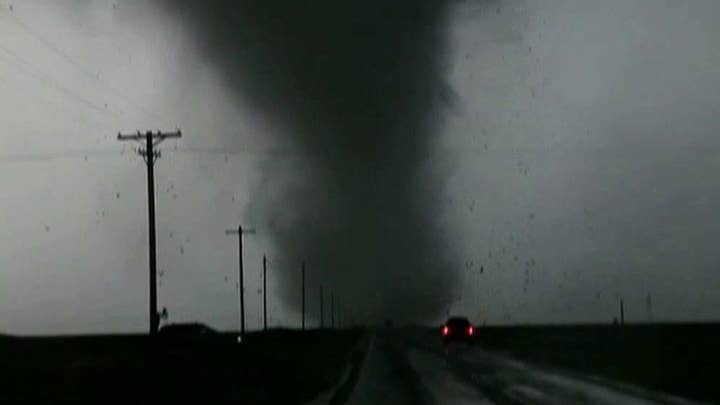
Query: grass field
[
  {"x": 280, "y": 366},
  {"x": 679, "y": 359}
]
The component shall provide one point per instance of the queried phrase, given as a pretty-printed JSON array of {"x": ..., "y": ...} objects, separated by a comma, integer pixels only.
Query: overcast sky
[{"x": 576, "y": 156}]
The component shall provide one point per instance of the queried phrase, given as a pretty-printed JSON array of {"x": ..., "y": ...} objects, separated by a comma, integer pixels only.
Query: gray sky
[{"x": 577, "y": 163}]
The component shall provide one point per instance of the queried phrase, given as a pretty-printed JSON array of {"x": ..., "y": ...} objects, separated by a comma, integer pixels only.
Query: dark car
[{"x": 457, "y": 329}]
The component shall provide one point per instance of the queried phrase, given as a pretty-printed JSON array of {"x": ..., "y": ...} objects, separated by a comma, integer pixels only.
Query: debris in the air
[{"x": 47, "y": 228}]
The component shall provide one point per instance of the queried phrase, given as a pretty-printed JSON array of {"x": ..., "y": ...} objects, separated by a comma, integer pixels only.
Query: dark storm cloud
[{"x": 359, "y": 89}]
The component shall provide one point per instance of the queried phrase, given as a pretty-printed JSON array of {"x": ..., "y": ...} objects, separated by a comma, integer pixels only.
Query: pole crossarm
[{"x": 157, "y": 136}]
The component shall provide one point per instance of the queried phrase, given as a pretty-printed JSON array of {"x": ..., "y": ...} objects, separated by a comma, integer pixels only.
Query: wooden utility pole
[
  {"x": 264, "y": 293},
  {"x": 240, "y": 232},
  {"x": 303, "y": 295},
  {"x": 150, "y": 156},
  {"x": 322, "y": 309}
]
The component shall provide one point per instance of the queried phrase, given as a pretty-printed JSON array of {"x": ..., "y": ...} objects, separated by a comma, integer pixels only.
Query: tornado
[{"x": 359, "y": 91}]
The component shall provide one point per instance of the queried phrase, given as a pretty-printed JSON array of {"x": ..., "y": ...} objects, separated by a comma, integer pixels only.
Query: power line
[
  {"x": 84, "y": 153},
  {"x": 281, "y": 152},
  {"x": 65, "y": 56},
  {"x": 62, "y": 108},
  {"x": 25, "y": 67},
  {"x": 71, "y": 154}
]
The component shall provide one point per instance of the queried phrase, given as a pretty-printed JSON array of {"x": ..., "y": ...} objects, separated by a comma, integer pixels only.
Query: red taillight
[
  {"x": 470, "y": 330},
  {"x": 445, "y": 330}
]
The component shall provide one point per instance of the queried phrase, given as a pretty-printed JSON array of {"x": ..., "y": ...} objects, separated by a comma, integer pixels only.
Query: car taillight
[
  {"x": 471, "y": 330},
  {"x": 445, "y": 330}
]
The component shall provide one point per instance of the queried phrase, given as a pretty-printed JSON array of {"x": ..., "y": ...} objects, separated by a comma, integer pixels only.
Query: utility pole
[
  {"x": 332, "y": 310},
  {"x": 303, "y": 295},
  {"x": 264, "y": 293},
  {"x": 150, "y": 156},
  {"x": 622, "y": 312},
  {"x": 322, "y": 309},
  {"x": 240, "y": 232}
]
